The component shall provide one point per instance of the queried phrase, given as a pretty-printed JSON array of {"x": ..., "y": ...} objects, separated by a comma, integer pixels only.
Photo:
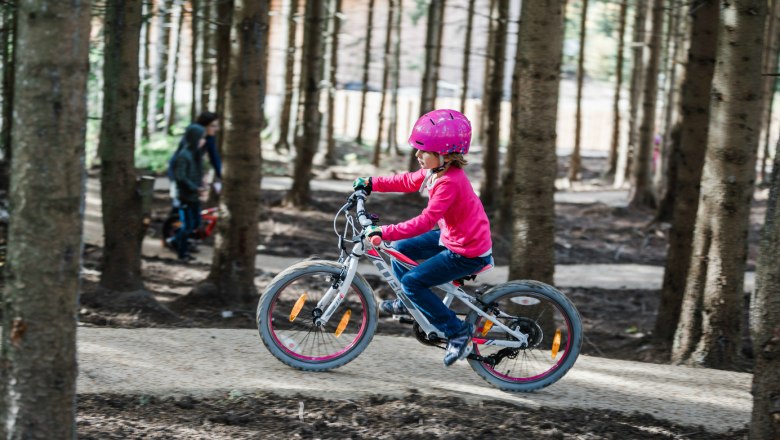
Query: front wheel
[
  {"x": 288, "y": 310},
  {"x": 554, "y": 336}
]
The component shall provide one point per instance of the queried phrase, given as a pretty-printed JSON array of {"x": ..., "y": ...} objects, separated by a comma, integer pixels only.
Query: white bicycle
[{"x": 318, "y": 315}]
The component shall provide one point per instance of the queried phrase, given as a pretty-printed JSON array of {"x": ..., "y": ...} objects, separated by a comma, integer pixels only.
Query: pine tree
[
  {"x": 233, "y": 266},
  {"x": 539, "y": 57},
  {"x": 709, "y": 330},
  {"x": 121, "y": 203},
  {"x": 38, "y": 356}
]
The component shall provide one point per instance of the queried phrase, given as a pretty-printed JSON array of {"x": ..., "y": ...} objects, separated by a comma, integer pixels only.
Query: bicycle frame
[
  {"x": 208, "y": 220},
  {"x": 338, "y": 290}
]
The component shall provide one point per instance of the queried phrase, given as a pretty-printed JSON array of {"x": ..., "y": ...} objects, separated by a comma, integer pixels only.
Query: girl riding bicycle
[{"x": 462, "y": 244}]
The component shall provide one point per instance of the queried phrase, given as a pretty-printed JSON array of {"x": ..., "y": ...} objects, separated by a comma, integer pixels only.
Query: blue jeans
[
  {"x": 189, "y": 214},
  {"x": 441, "y": 265}
]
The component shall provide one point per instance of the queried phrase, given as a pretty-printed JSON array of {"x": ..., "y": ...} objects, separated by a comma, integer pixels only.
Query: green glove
[
  {"x": 372, "y": 231},
  {"x": 363, "y": 183}
]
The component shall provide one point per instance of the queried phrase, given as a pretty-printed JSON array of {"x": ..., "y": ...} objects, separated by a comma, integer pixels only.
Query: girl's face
[
  {"x": 427, "y": 160},
  {"x": 212, "y": 128}
]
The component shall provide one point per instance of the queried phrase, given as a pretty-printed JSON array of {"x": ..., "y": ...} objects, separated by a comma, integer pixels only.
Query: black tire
[
  {"x": 273, "y": 338},
  {"x": 536, "y": 291}
]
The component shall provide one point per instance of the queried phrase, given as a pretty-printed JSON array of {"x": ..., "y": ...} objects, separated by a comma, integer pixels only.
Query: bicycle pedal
[{"x": 403, "y": 319}]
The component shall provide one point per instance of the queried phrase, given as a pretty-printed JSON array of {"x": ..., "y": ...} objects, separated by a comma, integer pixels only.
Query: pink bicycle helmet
[{"x": 442, "y": 131}]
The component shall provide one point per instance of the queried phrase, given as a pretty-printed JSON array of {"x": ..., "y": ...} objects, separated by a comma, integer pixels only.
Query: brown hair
[{"x": 457, "y": 160}]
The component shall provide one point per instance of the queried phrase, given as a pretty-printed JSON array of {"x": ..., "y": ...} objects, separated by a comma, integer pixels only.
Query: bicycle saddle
[{"x": 472, "y": 277}]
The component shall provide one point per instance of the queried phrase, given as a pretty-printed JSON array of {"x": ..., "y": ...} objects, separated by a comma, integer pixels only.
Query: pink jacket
[{"x": 453, "y": 205}]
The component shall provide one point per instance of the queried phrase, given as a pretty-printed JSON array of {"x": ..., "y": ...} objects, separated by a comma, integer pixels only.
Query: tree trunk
[
  {"x": 765, "y": 321},
  {"x": 385, "y": 74},
  {"x": 430, "y": 74},
  {"x": 335, "y": 21},
  {"x": 485, "y": 101},
  {"x": 642, "y": 194},
  {"x": 207, "y": 55},
  {"x": 541, "y": 41},
  {"x": 664, "y": 162},
  {"x": 233, "y": 266},
  {"x": 769, "y": 102},
  {"x": 508, "y": 179},
  {"x": 146, "y": 71},
  {"x": 574, "y": 163},
  {"x": 769, "y": 83},
  {"x": 9, "y": 63},
  {"x": 392, "y": 142},
  {"x": 437, "y": 60},
  {"x": 122, "y": 216},
  {"x": 709, "y": 330},
  {"x": 635, "y": 98},
  {"x": 467, "y": 57},
  {"x": 196, "y": 23},
  {"x": 289, "y": 86},
  {"x": 177, "y": 17},
  {"x": 161, "y": 69},
  {"x": 311, "y": 73},
  {"x": 689, "y": 160},
  {"x": 222, "y": 45},
  {"x": 490, "y": 163},
  {"x": 38, "y": 377},
  {"x": 366, "y": 63},
  {"x": 613, "y": 150}
]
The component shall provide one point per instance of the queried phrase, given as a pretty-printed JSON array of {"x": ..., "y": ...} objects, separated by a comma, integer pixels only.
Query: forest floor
[{"x": 617, "y": 325}]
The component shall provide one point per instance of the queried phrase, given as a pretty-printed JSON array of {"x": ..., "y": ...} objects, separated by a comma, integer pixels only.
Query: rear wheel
[
  {"x": 551, "y": 323},
  {"x": 287, "y": 314}
]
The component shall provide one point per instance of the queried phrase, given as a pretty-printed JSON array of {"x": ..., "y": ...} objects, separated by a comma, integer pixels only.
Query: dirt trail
[{"x": 207, "y": 362}]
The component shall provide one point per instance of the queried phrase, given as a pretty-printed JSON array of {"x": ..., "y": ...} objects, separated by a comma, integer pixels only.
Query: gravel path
[{"x": 212, "y": 361}]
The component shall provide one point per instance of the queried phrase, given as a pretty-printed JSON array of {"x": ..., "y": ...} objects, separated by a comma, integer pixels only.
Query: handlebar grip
[{"x": 375, "y": 240}]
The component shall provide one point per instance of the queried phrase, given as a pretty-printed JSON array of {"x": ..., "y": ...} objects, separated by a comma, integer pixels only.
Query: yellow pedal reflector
[
  {"x": 343, "y": 323},
  {"x": 297, "y": 307},
  {"x": 486, "y": 327},
  {"x": 556, "y": 343}
]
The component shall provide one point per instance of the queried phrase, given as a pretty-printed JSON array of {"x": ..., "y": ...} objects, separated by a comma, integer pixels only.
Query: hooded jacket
[{"x": 188, "y": 166}]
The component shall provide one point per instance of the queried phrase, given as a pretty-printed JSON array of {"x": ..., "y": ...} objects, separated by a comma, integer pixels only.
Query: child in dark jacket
[
  {"x": 188, "y": 174},
  {"x": 210, "y": 122}
]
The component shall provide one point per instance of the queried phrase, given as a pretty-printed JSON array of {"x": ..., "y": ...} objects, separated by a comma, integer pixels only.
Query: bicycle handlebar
[{"x": 360, "y": 195}]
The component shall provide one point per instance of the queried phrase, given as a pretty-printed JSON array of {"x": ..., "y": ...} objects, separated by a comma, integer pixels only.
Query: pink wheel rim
[
  {"x": 326, "y": 358},
  {"x": 543, "y": 374}
]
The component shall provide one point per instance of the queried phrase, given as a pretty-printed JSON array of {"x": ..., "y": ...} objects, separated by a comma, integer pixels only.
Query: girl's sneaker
[
  {"x": 393, "y": 307},
  {"x": 459, "y": 345}
]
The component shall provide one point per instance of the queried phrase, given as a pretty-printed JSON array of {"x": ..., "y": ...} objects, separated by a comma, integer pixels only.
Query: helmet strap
[{"x": 442, "y": 165}]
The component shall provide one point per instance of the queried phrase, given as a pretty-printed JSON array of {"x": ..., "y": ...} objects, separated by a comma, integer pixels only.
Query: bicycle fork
[{"x": 336, "y": 293}]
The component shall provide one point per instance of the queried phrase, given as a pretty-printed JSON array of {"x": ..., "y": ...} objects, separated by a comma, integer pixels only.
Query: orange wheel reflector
[
  {"x": 486, "y": 327},
  {"x": 556, "y": 343},
  {"x": 297, "y": 307},
  {"x": 343, "y": 323}
]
